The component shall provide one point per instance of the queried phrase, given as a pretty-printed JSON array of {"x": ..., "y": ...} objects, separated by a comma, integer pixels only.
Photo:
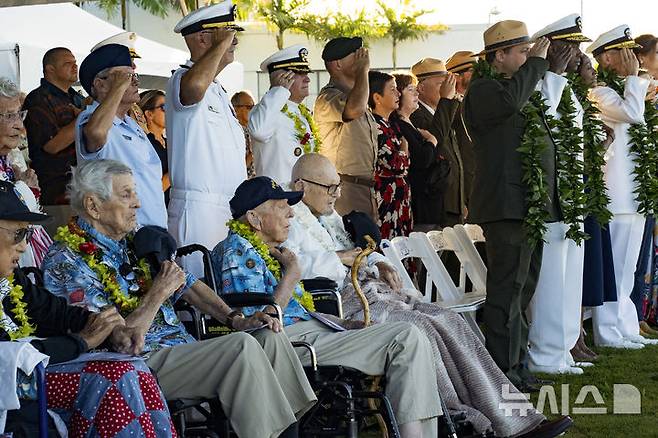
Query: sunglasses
[{"x": 21, "y": 234}]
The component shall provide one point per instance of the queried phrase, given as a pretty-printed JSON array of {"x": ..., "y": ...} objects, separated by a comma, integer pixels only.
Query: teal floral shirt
[
  {"x": 67, "y": 275},
  {"x": 239, "y": 268}
]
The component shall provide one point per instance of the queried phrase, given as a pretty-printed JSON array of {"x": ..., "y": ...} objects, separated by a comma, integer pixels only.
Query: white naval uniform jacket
[
  {"x": 315, "y": 242},
  {"x": 275, "y": 144},
  {"x": 206, "y": 164},
  {"x": 619, "y": 112}
]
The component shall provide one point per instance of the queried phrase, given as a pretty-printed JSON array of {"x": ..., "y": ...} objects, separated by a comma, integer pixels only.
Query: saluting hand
[
  {"x": 283, "y": 78},
  {"x": 559, "y": 58},
  {"x": 448, "y": 88},
  {"x": 222, "y": 36},
  {"x": 629, "y": 65},
  {"x": 361, "y": 60},
  {"x": 540, "y": 48}
]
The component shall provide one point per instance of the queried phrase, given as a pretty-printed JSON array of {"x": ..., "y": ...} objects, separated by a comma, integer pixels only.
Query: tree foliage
[{"x": 325, "y": 27}]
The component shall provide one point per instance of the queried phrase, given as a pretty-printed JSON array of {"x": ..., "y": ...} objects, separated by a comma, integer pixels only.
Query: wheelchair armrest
[
  {"x": 249, "y": 299},
  {"x": 311, "y": 352},
  {"x": 328, "y": 301},
  {"x": 184, "y": 307},
  {"x": 208, "y": 273},
  {"x": 319, "y": 283}
]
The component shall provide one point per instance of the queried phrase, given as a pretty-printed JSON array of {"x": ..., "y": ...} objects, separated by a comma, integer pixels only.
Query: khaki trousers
[
  {"x": 357, "y": 197},
  {"x": 262, "y": 388},
  {"x": 397, "y": 350}
]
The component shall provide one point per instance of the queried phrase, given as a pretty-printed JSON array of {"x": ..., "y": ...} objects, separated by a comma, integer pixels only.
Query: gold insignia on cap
[
  {"x": 274, "y": 184},
  {"x": 303, "y": 54}
]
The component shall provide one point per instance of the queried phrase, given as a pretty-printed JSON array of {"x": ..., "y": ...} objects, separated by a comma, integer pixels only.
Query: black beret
[
  {"x": 338, "y": 48},
  {"x": 358, "y": 225},
  {"x": 112, "y": 55}
]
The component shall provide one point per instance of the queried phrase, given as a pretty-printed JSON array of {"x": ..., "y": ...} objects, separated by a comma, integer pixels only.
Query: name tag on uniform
[
  {"x": 213, "y": 109},
  {"x": 127, "y": 137}
]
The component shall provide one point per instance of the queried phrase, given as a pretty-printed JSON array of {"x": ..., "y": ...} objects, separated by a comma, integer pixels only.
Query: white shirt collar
[{"x": 427, "y": 107}]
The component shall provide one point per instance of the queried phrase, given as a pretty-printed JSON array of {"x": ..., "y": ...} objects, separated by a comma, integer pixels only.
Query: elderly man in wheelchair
[
  {"x": 93, "y": 264},
  {"x": 468, "y": 379},
  {"x": 250, "y": 260}
]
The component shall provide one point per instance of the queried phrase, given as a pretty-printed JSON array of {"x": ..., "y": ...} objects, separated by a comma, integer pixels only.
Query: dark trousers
[{"x": 512, "y": 273}]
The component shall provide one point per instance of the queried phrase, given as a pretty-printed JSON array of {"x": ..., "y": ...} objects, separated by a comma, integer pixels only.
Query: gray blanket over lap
[{"x": 468, "y": 379}]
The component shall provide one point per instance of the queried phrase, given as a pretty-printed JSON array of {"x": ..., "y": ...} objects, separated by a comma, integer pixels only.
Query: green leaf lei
[
  {"x": 303, "y": 136},
  {"x": 24, "y": 329},
  {"x": 532, "y": 145},
  {"x": 570, "y": 167},
  {"x": 643, "y": 147},
  {"x": 244, "y": 230},
  {"x": 596, "y": 195}
]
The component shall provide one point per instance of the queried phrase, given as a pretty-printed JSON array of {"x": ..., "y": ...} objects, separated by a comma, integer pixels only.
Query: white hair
[
  {"x": 8, "y": 88},
  {"x": 93, "y": 178}
]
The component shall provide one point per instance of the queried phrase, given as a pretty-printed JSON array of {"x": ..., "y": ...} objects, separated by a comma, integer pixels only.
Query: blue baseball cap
[
  {"x": 111, "y": 55},
  {"x": 253, "y": 192},
  {"x": 13, "y": 208}
]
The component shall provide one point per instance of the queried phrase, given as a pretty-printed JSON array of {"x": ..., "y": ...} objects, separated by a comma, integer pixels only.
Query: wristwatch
[{"x": 231, "y": 316}]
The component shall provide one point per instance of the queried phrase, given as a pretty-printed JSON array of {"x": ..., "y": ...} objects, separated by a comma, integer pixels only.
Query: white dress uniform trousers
[
  {"x": 555, "y": 307},
  {"x": 615, "y": 321},
  {"x": 206, "y": 165}
]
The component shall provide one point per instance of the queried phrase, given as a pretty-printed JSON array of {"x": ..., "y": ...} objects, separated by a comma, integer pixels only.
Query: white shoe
[
  {"x": 555, "y": 370},
  {"x": 641, "y": 340},
  {"x": 624, "y": 344},
  {"x": 584, "y": 364}
]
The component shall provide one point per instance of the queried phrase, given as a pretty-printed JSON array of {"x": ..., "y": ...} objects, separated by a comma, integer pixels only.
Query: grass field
[{"x": 633, "y": 367}]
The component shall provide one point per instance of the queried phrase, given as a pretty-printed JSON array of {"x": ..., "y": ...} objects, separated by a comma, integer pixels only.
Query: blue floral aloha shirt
[
  {"x": 242, "y": 269},
  {"x": 67, "y": 275}
]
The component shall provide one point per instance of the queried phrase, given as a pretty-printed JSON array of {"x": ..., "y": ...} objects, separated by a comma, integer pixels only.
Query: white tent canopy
[{"x": 40, "y": 27}]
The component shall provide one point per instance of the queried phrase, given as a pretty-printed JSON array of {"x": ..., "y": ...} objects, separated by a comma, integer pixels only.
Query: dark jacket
[
  {"x": 466, "y": 149},
  {"x": 428, "y": 175},
  {"x": 440, "y": 125},
  {"x": 492, "y": 111},
  {"x": 54, "y": 320}
]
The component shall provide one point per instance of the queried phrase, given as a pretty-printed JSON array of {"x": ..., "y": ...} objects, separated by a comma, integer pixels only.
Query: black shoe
[
  {"x": 526, "y": 387},
  {"x": 530, "y": 379},
  {"x": 549, "y": 429}
]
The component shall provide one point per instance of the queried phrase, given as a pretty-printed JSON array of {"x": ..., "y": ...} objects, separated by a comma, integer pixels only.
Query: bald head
[
  {"x": 313, "y": 166},
  {"x": 316, "y": 176}
]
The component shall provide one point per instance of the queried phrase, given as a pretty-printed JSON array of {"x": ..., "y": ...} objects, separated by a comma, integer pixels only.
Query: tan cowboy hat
[
  {"x": 505, "y": 34},
  {"x": 460, "y": 61},
  {"x": 427, "y": 67}
]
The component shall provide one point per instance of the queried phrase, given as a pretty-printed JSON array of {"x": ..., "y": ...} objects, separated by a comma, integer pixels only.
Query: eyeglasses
[
  {"x": 9, "y": 117},
  {"x": 21, "y": 234},
  {"x": 332, "y": 189}
]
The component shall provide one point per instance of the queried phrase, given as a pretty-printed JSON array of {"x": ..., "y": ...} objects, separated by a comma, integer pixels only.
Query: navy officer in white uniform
[
  {"x": 207, "y": 143},
  {"x": 104, "y": 130},
  {"x": 281, "y": 126}
]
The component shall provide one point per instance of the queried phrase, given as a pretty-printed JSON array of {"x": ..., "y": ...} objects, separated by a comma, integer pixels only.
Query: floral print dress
[{"x": 392, "y": 190}]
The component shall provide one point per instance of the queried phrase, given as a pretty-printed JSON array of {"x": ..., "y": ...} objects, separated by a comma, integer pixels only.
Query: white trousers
[
  {"x": 555, "y": 307},
  {"x": 615, "y": 320},
  {"x": 196, "y": 217}
]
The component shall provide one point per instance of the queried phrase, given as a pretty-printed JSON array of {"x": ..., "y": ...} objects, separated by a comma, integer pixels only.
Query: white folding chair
[
  {"x": 466, "y": 236},
  {"x": 396, "y": 251},
  {"x": 451, "y": 296}
]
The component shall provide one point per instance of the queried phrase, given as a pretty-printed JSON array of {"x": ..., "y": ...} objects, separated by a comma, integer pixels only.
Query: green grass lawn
[{"x": 635, "y": 367}]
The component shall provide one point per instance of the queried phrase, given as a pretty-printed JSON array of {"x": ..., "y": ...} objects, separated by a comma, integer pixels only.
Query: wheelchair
[{"x": 343, "y": 393}]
